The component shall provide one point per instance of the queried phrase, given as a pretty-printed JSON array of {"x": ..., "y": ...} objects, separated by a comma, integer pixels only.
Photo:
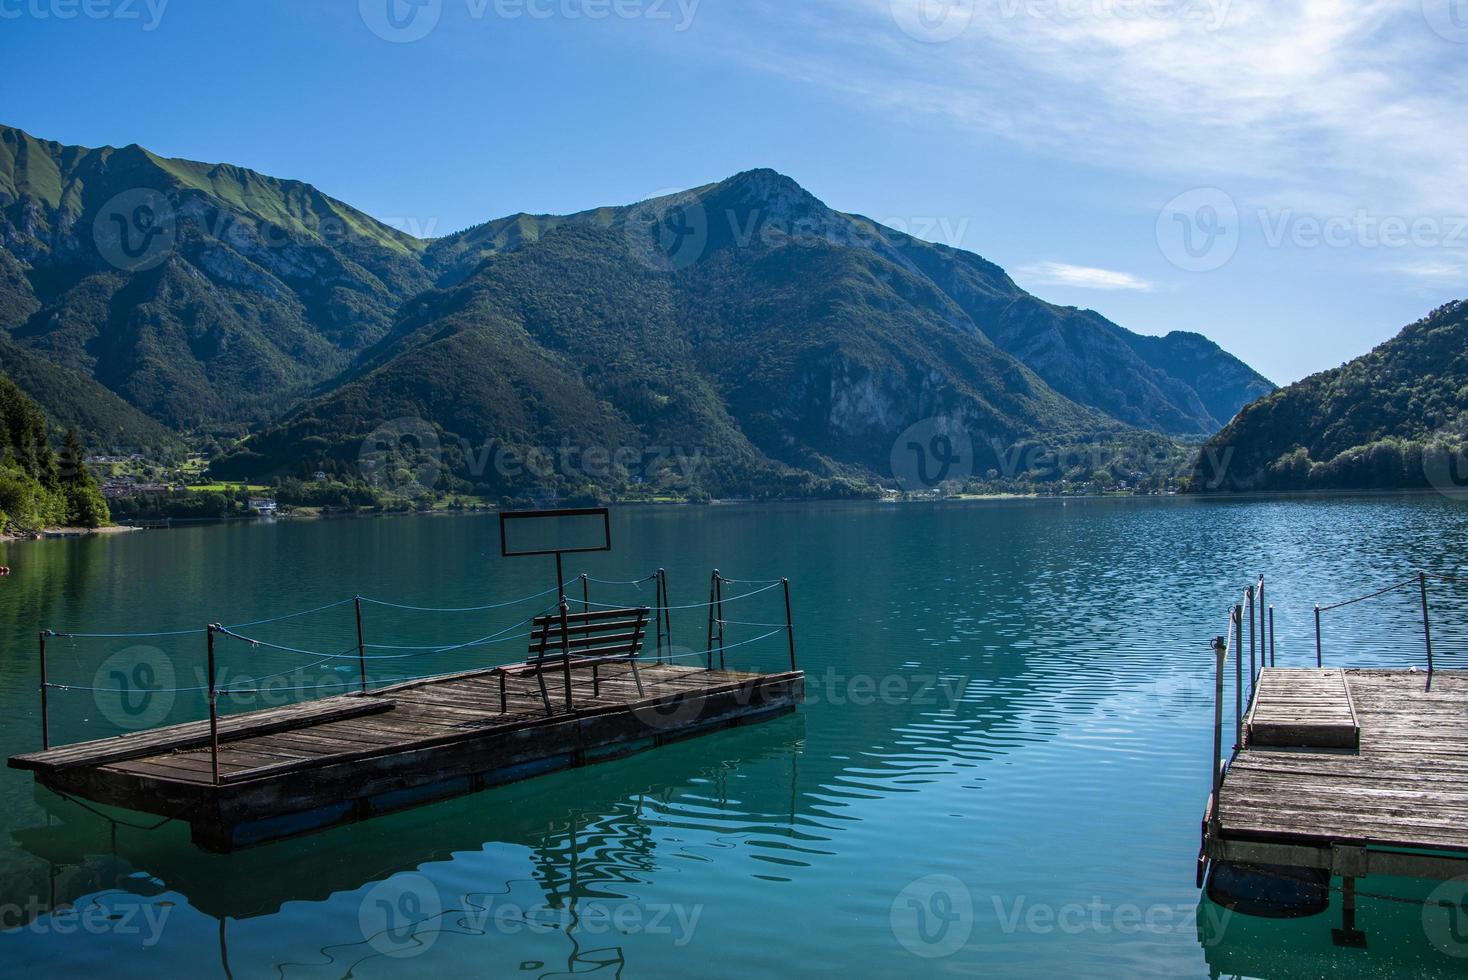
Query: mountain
[
  {"x": 201, "y": 295},
  {"x": 1396, "y": 418},
  {"x": 143, "y": 297},
  {"x": 744, "y": 322}
]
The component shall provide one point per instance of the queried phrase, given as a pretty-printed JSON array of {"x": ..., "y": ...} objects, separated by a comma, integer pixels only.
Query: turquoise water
[{"x": 1000, "y": 772}]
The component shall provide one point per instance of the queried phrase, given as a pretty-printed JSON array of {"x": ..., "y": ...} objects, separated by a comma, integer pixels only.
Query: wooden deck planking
[
  {"x": 1303, "y": 709},
  {"x": 1406, "y": 785},
  {"x": 415, "y": 716}
]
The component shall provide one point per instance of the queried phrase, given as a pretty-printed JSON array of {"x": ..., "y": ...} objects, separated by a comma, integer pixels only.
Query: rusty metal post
[
  {"x": 45, "y": 693},
  {"x": 213, "y": 709},
  {"x": 789, "y": 623},
  {"x": 361, "y": 645}
]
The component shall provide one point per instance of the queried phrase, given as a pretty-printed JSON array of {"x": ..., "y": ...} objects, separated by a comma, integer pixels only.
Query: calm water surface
[{"x": 1001, "y": 770}]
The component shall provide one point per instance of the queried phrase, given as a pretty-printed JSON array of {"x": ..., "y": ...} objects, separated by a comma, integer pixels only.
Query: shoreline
[{"x": 70, "y": 532}]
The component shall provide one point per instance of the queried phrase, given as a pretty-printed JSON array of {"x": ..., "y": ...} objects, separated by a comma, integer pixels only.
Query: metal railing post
[
  {"x": 1215, "y": 775},
  {"x": 1239, "y": 678},
  {"x": 45, "y": 696},
  {"x": 213, "y": 709},
  {"x": 566, "y": 650},
  {"x": 789, "y": 623},
  {"x": 1253, "y": 675},
  {"x": 1426, "y": 624},
  {"x": 361, "y": 645},
  {"x": 720, "y": 592},
  {"x": 585, "y": 593},
  {"x": 662, "y": 612},
  {"x": 709, "y": 651}
]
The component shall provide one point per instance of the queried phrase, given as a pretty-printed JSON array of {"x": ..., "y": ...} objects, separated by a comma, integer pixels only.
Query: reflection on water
[{"x": 1000, "y": 770}]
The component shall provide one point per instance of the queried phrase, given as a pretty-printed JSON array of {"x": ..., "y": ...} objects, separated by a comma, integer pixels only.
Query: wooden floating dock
[
  {"x": 1346, "y": 773},
  {"x": 294, "y": 770},
  {"x": 1405, "y": 787}
]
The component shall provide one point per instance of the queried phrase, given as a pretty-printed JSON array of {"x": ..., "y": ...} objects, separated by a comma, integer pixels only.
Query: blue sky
[{"x": 1285, "y": 176}]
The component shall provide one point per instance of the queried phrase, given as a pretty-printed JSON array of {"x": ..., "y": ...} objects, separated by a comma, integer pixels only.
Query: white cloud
[
  {"x": 1079, "y": 277},
  {"x": 1334, "y": 105}
]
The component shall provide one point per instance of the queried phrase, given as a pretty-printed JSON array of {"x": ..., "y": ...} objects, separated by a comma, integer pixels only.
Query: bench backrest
[{"x": 589, "y": 635}]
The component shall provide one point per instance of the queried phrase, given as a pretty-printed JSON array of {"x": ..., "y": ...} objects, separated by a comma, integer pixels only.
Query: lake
[{"x": 1001, "y": 769}]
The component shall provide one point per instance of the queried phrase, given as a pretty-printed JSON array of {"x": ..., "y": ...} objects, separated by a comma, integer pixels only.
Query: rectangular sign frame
[{"x": 506, "y": 517}]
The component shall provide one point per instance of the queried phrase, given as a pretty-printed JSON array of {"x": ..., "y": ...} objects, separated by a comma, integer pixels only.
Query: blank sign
[{"x": 549, "y": 532}]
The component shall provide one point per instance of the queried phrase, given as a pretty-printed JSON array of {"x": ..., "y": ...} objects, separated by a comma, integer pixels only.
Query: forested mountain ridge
[{"x": 1396, "y": 418}]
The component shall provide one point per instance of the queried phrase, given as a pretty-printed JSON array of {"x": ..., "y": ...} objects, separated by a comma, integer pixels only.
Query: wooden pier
[
  {"x": 1345, "y": 773},
  {"x": 293, "y": 770}
]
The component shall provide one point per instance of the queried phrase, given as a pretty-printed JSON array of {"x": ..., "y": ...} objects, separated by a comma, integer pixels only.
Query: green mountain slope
[
  {"x": 1181, "y": 384},
  {"x": 767, "y": 357},
  {"x": 38, "y": 488},
  {"x": 1396, "y": 418},
  {"x": 203, "y": 295}
]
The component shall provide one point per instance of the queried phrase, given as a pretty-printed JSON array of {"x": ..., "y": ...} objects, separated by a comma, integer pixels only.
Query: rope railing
[
  {"x": 359, "y": 654},
  {"x": 1419, "y": 580}
]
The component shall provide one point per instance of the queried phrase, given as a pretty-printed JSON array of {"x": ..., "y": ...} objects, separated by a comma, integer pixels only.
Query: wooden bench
[{"x": 566, "y": 641}]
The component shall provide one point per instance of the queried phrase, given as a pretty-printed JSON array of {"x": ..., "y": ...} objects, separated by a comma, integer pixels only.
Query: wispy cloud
[
  {"x": 1079, "y": 277},
  {"x": 1333, "y": 105}
]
